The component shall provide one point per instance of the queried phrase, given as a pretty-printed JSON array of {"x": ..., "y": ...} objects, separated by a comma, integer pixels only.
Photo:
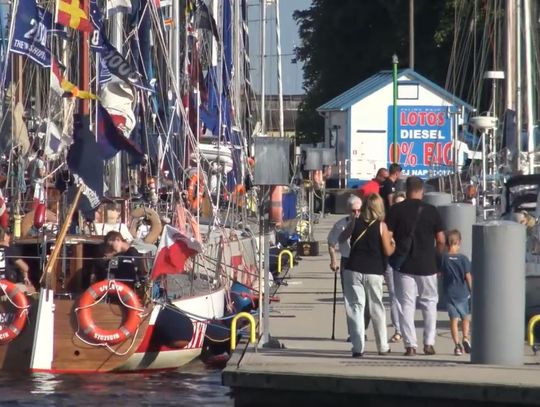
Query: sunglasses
[{"x": 355, "y": 210}]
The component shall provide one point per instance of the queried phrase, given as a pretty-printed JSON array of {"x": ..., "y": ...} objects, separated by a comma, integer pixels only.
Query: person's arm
[
  {"x": 23, "y": 268},
  {"x": 332, "y": 241},
  {"x": 468, "y": 279},
  {"x": 387, "y": 241},
  {"x": 333, "y": 259},
  {"x": 440, "y": 242}
]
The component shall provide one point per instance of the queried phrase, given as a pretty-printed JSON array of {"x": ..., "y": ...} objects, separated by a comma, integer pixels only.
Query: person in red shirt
[{"x": 373, "y": 186}]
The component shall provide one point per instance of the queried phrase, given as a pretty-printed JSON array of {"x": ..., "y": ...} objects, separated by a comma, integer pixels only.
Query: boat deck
[{"x": 312, "y": 368}]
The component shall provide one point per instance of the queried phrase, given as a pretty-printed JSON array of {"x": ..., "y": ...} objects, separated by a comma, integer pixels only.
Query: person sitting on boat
[
  {"x": 11, "y": 262},
  {"x": 125, "y": 261}
]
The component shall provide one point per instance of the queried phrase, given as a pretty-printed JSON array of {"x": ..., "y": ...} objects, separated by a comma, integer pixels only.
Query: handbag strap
[{"x": 363, "y": 232}]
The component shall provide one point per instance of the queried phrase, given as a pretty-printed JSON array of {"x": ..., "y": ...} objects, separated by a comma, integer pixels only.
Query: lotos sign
[{"x": 424, "y": 140}]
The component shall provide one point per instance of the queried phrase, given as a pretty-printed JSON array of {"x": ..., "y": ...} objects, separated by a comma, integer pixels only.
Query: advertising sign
[{"x": 424, "y": 140}]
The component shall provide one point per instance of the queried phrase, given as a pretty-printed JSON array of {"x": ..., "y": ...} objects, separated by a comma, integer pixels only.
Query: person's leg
[
  {"x": 374, "y": 294},
  {"x": 394, "y": 303},
  {"x": 367, "y": 315},
  {"x": 454, "y": 330},
  {"x": 354, "y": 297},
  {"x": 342, "y": 263},
  {"x": 427, "y": 292},
  {"x": 406, "y": 296}
]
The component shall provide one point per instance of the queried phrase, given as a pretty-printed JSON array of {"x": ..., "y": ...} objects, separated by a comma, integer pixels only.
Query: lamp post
[{"x": 395, "y": 121}]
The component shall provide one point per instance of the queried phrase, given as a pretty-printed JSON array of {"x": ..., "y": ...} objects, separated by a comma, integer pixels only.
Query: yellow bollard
[
  {"x": 530, "y": 330},
  {"x": 17, "y": 226},
  {"x": 251, "y": 320},
  {"x": 291, "y": 260}
]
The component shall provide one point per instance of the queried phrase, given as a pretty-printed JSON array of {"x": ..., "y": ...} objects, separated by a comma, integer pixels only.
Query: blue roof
[{"x": 378, "y": 81}]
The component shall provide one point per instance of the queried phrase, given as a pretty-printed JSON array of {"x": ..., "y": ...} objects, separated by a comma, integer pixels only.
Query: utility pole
[{"x": 411, "y": 34}]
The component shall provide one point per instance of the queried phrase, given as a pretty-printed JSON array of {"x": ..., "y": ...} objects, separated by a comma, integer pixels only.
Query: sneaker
[
  {"x": 357, "y": 355},
  {"x": 458, "y": 350},
  {"x": 385, "y": 353},
  {"x": 466, "y": 345},
  {"x": 429, "y": 350},
  {"x": 410, "y": 351}
]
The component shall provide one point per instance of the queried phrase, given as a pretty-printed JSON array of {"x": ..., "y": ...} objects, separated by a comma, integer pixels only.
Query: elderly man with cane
[{"x": 354, "y": 204}]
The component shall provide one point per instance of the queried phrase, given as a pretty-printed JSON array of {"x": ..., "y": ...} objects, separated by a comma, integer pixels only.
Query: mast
[
  {"x": 518, "y": 84},
  {"x": 263, "y": 51},
  {"x": 529, "y": 81},
  {"x": 280, "y": 84},
  {"x": 115, "y": 175}
]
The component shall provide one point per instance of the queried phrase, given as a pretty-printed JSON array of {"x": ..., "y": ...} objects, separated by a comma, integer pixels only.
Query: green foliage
[{"x": 343, "y": 42}]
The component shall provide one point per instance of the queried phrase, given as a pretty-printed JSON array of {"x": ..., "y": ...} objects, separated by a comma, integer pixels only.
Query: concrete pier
[{"x": 312, "y": 368}]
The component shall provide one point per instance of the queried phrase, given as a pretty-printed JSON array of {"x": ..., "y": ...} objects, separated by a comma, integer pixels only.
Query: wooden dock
[{"x": 312, "y": 368}]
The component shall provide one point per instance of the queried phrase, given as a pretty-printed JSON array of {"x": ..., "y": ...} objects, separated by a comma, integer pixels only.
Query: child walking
[{"x": 457, "y": 285}]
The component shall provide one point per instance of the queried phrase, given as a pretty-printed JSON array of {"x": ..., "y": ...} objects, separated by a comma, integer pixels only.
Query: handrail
[
  {"x": 530, "y": 331},
  {"x": 252, "y": 336},
  {"x": 291, "y": 260}
]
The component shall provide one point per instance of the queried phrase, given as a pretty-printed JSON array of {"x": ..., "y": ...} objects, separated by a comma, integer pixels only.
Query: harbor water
[{"x": 193, "y": 385}]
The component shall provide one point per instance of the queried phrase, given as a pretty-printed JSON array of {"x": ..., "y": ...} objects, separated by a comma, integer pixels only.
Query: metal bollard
[
  {"x": 252, "y": 336},
  {"x": 291, "y": 260},
  {"x": 498, "y": 299}
]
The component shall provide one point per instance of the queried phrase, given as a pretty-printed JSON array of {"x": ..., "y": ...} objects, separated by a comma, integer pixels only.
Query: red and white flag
[{"x": 174, "y": 249}]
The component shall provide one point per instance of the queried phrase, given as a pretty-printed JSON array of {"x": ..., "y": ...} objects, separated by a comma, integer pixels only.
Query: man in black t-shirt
[
  {"x": 388, "y": 188},
  {"x": 125, "y": 263},
  {"x": 416, "y": 227},
  {"x": 10, "y": 261}
]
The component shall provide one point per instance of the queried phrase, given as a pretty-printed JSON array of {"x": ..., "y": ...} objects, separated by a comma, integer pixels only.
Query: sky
[{"x": 291, "y": 72}]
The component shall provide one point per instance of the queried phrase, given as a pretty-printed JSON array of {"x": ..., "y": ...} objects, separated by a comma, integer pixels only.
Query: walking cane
[{"x": 334, "y": 310}]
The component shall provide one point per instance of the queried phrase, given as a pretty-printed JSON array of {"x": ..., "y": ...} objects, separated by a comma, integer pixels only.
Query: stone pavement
[{"x": 313, "y": 368}]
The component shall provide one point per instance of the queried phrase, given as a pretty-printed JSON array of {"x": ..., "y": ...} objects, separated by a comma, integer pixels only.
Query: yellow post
[
  {"x": 249, "y": 317},
  {"x": 17, "y": 225},
  {"x": 291, "y": 260},
  {"x": 530, "y": 329}
]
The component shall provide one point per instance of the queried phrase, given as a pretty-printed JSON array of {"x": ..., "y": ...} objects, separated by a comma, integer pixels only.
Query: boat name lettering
[{"x": 106, "y": 337}]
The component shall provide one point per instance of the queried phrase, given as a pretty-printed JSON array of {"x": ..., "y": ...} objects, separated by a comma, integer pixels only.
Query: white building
[{"x": 359, "y": 124}]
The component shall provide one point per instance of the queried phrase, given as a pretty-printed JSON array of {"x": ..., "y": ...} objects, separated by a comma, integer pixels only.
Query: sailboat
[{"x": 73, "y": 324}]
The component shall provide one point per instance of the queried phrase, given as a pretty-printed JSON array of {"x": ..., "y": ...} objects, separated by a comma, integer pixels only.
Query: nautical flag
[
  {"x": 204, "y": 20},
  {"x": 62, "y": 86},
  {"x": 110, "y": 140},
  {"x": 85, "y": 161},
  {"x": 30, "y": 32},
  {"x": 70, "y": 14},
  {"x": 174, "y": 249}
]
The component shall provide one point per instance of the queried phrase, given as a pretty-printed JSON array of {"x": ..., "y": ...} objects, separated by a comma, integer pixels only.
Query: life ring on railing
[
  {"x": 30, "y": 218},
  {"x": 127, "y": 297},
  {"x": 153, "y": 218},
  {"x": 195, "y": 191},
  {"x": 19, "y": 300}
]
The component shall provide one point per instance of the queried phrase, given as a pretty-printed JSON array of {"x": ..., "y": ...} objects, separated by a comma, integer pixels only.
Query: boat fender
[
  {"x": 109, "y": 336},
  {"x": 28, "y": 221},
  {"x": 4, "y": 218},
  {"x": 18, "y": 298},
  {"x": 195, "y": 191},
  {"x": 153, "y": 218},
  {"x": 39, "y": 215}
]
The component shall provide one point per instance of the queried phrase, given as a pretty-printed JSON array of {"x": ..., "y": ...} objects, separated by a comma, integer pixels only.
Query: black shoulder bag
[{"x": 396, "y": 260}]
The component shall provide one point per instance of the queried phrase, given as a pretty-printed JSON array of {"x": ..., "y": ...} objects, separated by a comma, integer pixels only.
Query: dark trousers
[{"x": 342, "y": 264}]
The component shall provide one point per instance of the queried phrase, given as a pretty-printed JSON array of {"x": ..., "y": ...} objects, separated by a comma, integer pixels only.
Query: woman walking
[{"x": 363, "y": 277}]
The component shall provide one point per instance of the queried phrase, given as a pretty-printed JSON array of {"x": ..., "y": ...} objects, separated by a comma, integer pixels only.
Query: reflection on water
[{"x": 193, "y": 385}]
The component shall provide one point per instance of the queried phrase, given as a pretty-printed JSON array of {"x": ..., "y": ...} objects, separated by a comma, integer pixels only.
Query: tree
[{"x": 345, "y": 42}]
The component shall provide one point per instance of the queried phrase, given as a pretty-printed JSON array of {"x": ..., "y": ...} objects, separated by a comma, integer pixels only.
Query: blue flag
[{"x": 32, "y": 24}]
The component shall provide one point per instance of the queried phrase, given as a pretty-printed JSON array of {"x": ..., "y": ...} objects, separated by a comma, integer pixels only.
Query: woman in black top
[{"x": 371, "y": 244}]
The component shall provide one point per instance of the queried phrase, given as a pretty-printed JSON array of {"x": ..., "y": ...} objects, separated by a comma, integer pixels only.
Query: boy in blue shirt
[{"x": 457, "y": 284}]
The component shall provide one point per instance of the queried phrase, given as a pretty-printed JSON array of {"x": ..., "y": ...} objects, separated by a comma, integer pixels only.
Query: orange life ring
[
  {"x": 195, "y": 196},
  {"x": 127, "y": 297},
  {"x": 17, "y": 296}
]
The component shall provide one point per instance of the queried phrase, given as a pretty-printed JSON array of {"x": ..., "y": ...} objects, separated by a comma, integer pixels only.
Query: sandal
[{"x": 395, "y": 338}]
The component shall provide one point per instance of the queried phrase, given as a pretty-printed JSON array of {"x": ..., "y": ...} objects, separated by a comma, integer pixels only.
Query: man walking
[
  {"x": 416, "y": 226},
  {"x": 354, "y": 204},
  {"x": 388, "y": 188},
  {"x": 374, "y": 186}
]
